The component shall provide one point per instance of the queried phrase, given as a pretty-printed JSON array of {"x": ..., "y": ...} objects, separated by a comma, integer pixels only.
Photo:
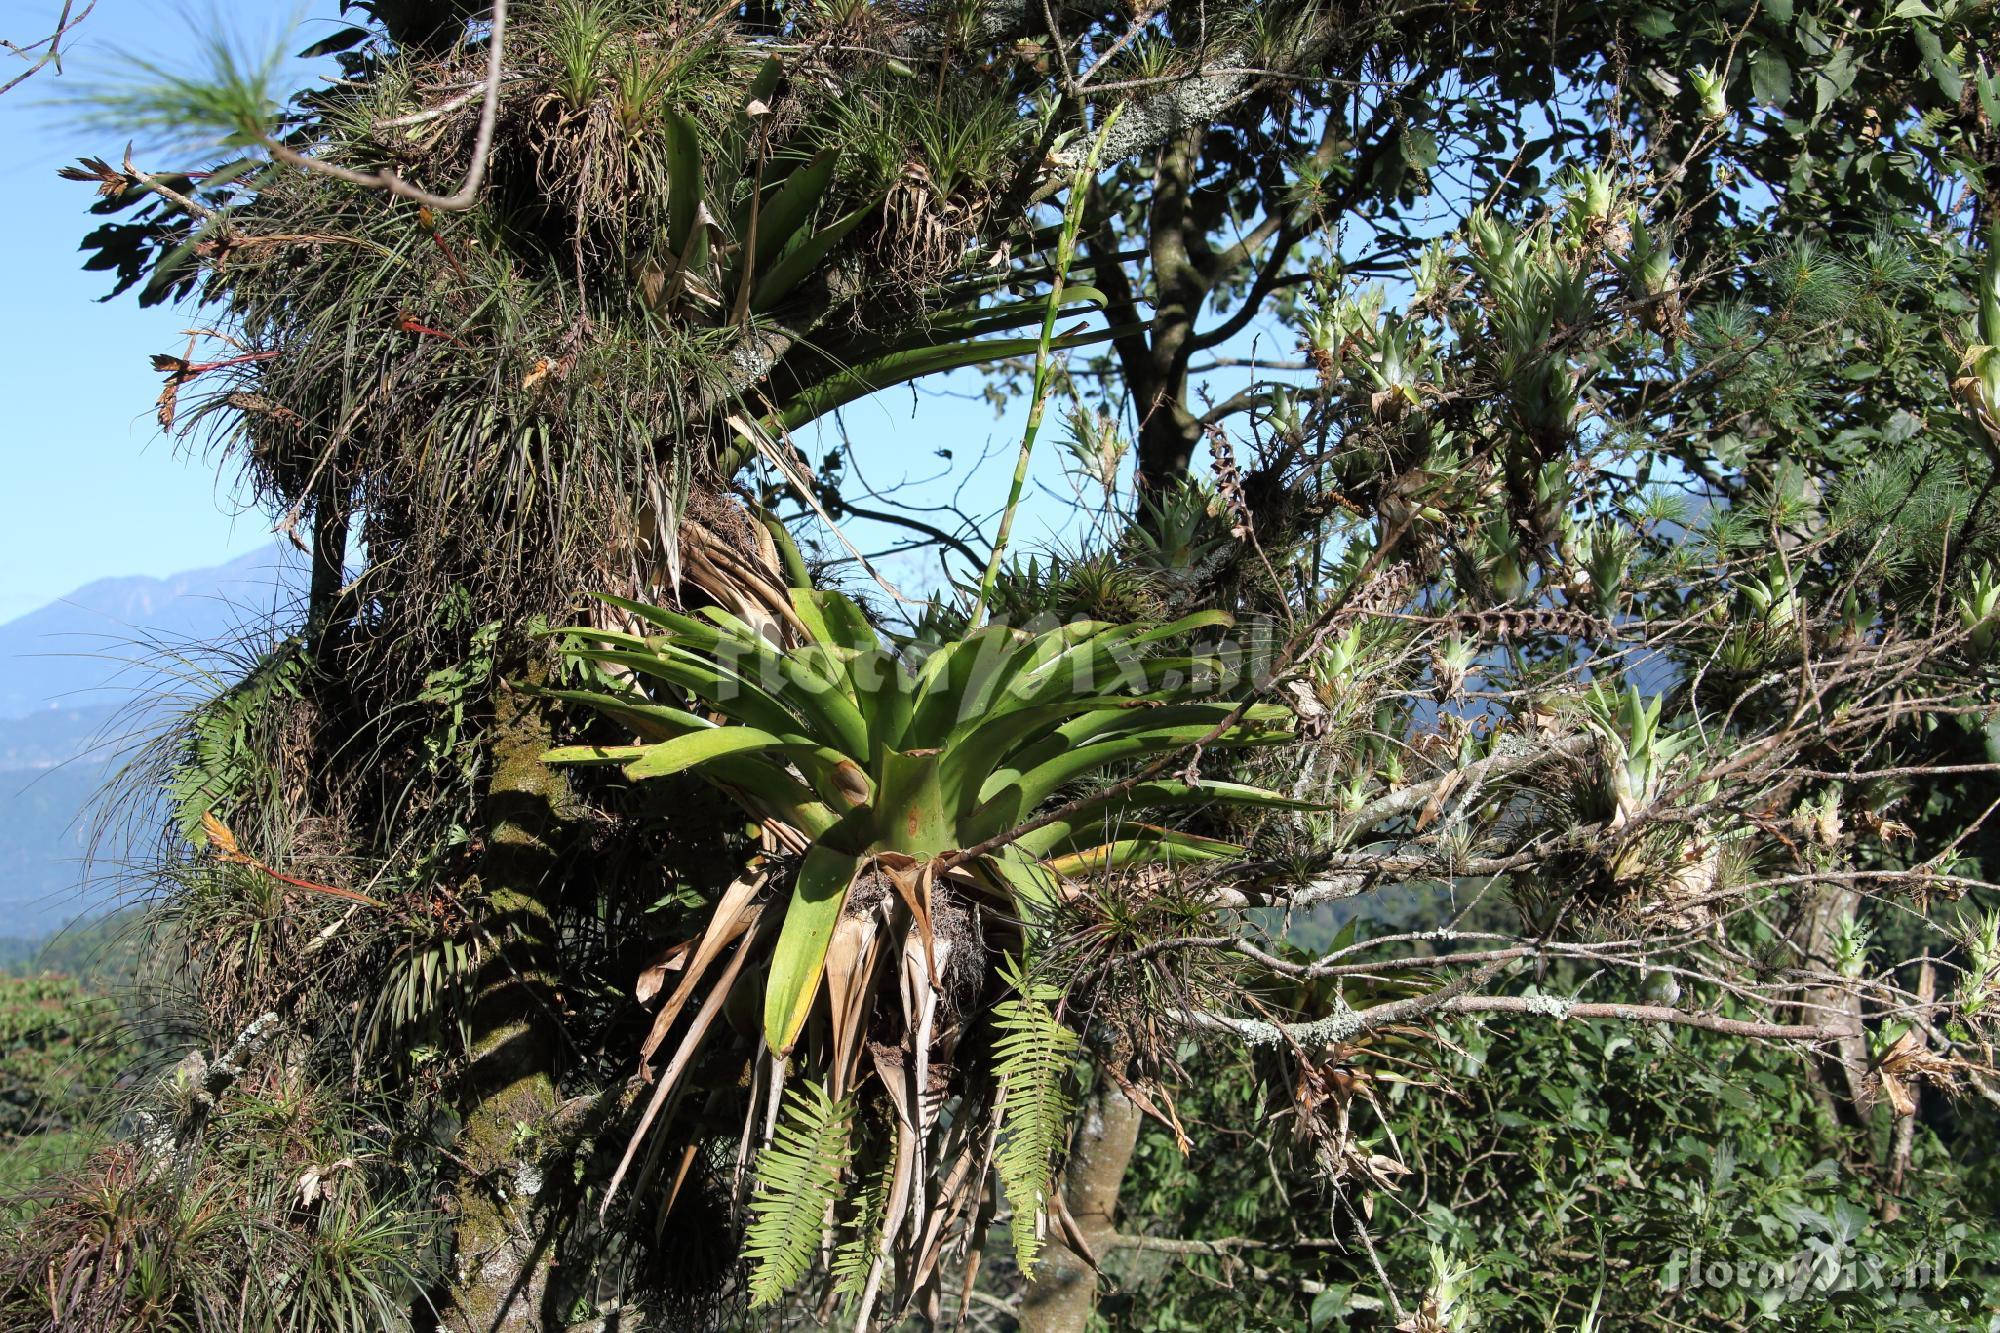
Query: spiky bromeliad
[{"x": 880, "y": 777}]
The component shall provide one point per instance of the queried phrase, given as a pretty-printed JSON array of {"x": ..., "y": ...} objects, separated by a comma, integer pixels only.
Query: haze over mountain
[{"x": 80, "y": 680}]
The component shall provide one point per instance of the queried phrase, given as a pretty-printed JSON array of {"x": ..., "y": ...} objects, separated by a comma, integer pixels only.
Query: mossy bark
[
  {"x": 504, "y": 1240},
  {"x": 1064, "y": 1292}
]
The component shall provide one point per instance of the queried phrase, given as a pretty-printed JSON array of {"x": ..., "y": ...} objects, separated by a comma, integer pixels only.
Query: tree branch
[
  {"x": 53, "y": 56},
  {"x": 387, "y": 179}
]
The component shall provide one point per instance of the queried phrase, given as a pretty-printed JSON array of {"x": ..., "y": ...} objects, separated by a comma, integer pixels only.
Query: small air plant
[
  {"x": 1434, "y": 276},
  {"x": 1979, "y": 983},
  {"x": 1979, "y": 611},
  {"x": 1444, "y": 1308},
  {"x": 1979, "y": 373},
  {"x": 1849, "y": 947},
  {"x": 1501, "y": 560},
  {"x": 1339, "y": 661},
  {"x": 1097, "y": 446},
  {"x": 1604, "y": 552},
  {"x": 579, "y": 32},
  {"x": 1640, "y": 753},
  {"x": 1651, "y": 283},
  {"x": 640, "y": 82},
  {"x": 1395, "y": 370},
  {"x": 1451, "y": 662},
  {"x": 1588, "y": 200},
  {"x": 1818, "y": 817},
  {"x": 1773, "y": 596},
  {"x": 1711, "y": 89}
]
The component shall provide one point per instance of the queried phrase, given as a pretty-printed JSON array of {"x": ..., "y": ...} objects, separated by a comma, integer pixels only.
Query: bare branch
[{"x": 65, "y": 22}]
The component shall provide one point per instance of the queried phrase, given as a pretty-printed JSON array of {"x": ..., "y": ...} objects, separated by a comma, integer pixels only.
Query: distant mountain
[
  {"x": 80, "y": 680},
  {"x": 95, "y": 646}
]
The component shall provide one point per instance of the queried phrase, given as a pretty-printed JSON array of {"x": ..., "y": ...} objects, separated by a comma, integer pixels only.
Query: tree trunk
[
  {"x": 1168, "y": 432},
  {"x": 1841, "y": 1070},
  {"x": 1064, "y": 1292},
  {"x": 503, "y": 1243}
]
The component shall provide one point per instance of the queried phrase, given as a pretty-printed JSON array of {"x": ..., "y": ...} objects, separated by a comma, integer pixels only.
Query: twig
[
  {"x": 387, "y": 179},
  {"x": 52, "y": 56}
]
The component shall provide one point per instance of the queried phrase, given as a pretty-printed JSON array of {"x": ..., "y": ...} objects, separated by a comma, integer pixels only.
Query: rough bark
[
  {"x": 1064, "y": 1292},
  {"x": 1168, "y": 432},
  {"x": 1841, "y": 1069},
  {"x": 503, "y": 1243}
]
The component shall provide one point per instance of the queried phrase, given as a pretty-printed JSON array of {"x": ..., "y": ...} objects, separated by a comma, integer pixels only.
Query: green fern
[
  {"x": 856, "y": 1255},
  {"x": 224, "y": 762},
  {"x": 1033, "y": 1056},
  {"x": 798, "y": 1177}
]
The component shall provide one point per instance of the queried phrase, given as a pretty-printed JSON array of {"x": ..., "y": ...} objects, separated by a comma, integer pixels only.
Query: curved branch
[
  {"x": 386, "y": 179},
  {"x": 1345, "y": 1026},
  {"x": 935, "y": 536}
]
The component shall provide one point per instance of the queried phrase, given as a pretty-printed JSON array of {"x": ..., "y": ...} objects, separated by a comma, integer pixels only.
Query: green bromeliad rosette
[{"x": 888, "y": 780}]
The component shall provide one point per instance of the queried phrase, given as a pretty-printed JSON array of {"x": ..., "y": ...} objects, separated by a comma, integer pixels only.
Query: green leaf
[
  {"x": 1015, "y": 795},
  {"x": 977, "y": 321},
  {"x": 1419, "y": 147},
  {"x": 885, "y": 372},
  {"x": 834, "y": 619},
  {"x": 1107, "y": 724},
  {"x": 683, "y": 152},
  {"x": 798, "y": 1179},
  {"x": 1153, "y": 795},
  {"x": 666, "y": 758},
  {"x": 1942, "y": 68},
  {"x": 1148, "y": 845},
  {"x": 952, "y": 671},
  {"x": 780, "y": 217},
  {"x": 1833, "y": 80},
  {"x": 1770, "y": 78},
  {"x": 885, "y": 692},
  {"x": 592, "y": 754},
  {"x": 722, "y": 690},
  {"x": 1031, "y": 885},
  {"x": 801, "y": 258},
  {"x": 673, "y": 622},
  {"x": 346, "y": 39},
  {"x": 1086, "y": 660},
  {"x": 653, "y": 722},
  {"x": 1656, "y": 23},
  {"x": 799, "y": 960}
]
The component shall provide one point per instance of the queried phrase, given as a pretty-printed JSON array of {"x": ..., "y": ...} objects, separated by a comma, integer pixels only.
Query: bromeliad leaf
[{"x": 800, "y": 957}]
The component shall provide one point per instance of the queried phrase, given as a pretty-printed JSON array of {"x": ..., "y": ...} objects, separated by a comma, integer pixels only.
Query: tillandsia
[{"x": 907, "y": 877}]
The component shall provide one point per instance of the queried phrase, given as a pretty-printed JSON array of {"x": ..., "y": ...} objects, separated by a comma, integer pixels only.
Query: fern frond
[
  {"x": 856, "y": 1255},
  {"x": 1032, "y": 1055},
  {"x": 798, "y": 1178},
  {"x": 223, "y": 764}
]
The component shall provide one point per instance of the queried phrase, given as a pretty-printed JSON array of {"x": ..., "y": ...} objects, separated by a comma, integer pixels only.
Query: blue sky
[{"x": 93, "y": 490}]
